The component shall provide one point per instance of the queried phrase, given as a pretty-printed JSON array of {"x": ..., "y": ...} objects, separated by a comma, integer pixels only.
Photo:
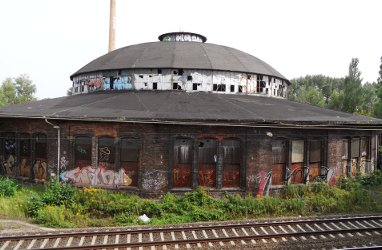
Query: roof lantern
[{"x": 182, "y": 37}]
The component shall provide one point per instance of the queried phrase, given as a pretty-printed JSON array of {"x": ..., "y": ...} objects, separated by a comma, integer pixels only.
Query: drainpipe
[{"x": 58, "y": 146}]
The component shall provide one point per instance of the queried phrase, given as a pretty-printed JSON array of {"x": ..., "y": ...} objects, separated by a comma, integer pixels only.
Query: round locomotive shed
[{"x": 178, "y": 114}]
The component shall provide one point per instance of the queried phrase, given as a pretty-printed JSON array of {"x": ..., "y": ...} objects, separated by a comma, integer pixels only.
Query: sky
[{"x": 51, "y": 39}]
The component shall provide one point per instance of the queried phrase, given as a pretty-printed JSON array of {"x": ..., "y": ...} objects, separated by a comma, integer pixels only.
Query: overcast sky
[{"x": 51, "y": 39}]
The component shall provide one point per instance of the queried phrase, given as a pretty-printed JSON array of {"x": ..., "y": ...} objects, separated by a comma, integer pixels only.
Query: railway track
[{"x": 241, "y": 235}]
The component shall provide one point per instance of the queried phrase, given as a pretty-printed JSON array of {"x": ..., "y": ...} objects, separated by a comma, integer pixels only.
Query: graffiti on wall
[
  {"x": 40, "y": 168},
  {"x": 91, "y": 175},
  {"x": 263, "y": 181},
  {"x": 118, "y": 83},
  {"x": 154, "y": 180},
  {"x": 9, "y": 162},
  {"x": 25, "y": 167},
  {"x": 333, "y": 173}
]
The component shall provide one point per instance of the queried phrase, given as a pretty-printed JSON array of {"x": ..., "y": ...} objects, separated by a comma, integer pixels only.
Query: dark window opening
[
  {"x": 175, "y": 72},
  {"x": 248, "y": 77},
  {"x": 176, "y": 86},
  {"x": 214, "y": 87},
  {"x": 180, "y": 72},
  {"x": 141, "y": 76},
  {"x": 25, "y": 153},
  {"x": 145, "y": 84},
  {"x": 159, "y": 71},
  {"x": 240, "y": 89},
  {"x": 106, "y": 151},
  {"x": 129, "y": 158},
  {"x": 155, "y": 85},
  {"x": 150, "y": 76},
  {"x": 40, "y": 166},
  {"x": 83, "y": 151},
  {"x": 266, "y": 91},
  {"x": 194, "y": 86},
  {"x": 112, "y": 82},
  {"x": 232, "y": 88},
  {"x": 189, "y": 78},
  {"x": 219, "y": 87}
]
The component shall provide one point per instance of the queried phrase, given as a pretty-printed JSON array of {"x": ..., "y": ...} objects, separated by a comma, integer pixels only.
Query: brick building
[{"x": 181, "y": 113}]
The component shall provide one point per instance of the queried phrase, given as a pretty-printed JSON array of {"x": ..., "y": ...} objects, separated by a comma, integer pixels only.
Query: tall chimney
[{"x": 112, "y": 24}]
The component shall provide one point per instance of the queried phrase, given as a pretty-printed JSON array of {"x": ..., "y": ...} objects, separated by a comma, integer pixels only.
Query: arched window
[
  {"x": 9, "y": 147},
  {"x": 232, "y": 160},
  {"x": 40, "y": 166},
  {"x": 182, "y": 169},
  {"x": 279, "y": 160},
  {"x": 207, "y": 159},
  {"x": 25, "y": 156},
  {"x": 82, "y": 151},
  {"x": 129, "y": 160}
]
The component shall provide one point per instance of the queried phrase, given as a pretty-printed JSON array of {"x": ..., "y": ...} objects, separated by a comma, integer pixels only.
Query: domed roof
[{"x": 179, "y": 55}]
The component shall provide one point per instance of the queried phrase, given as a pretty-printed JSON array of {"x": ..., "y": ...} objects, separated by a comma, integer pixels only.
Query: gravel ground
[{"x": 20, "y": 227}]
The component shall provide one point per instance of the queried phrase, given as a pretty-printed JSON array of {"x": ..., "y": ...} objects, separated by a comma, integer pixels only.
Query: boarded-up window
[
  {"x": 41, "y": 165},
  {"x": 314, "y": 159},
  {"x": 9, "y": 147},
  {"x": 182, "y": 170},
  {"x": 297, "y": 174},
  {"x": 279, "y": 156},
  {"x": 129, "y": 159},
  {"x": 25, "y": 153},
  {"x": 83, "y": 151},
  {"x": 355, "y": 147},
  {"x": 232, "y": 157},
  {"x": 207, "y": 158}
]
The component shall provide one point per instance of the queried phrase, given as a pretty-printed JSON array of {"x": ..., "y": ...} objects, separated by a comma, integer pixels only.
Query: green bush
[
  {"x": 34, "y": 203},
  {"x": 58, "y": 193},
  {"x": 54, "y": 216},
  {"x": 8, "y": 187}
]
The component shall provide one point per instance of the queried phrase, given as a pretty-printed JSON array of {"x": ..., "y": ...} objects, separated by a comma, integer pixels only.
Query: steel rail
[
  {"x": 189, "y": 228},
  {"x": 224, "y": 239}
]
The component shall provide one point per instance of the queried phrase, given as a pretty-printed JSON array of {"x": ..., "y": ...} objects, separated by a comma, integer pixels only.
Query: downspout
[{"x": 58, "y": 146}]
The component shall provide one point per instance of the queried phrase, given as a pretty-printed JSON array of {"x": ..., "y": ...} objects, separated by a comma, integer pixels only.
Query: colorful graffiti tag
[
  {"x": 91, "y": 175},
  {"x": 264, "y": 181}
]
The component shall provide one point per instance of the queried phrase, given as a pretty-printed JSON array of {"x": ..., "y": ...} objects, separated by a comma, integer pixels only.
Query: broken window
[
  {"x": 232, "y": 88},
  {"x": 315, "y": 155},
  {"x": 140, "y": 76},
  {"x": 232, "y": 158},
  {"x": 194, "y": 86},
  {"x": 9, "y": 147},
  {"x": 83, "y": 151},
  {"x": 189, "y": 78},
  {"x": 279, "y": 160},
  {"x": 155, "y": 85},
  {"x": 182, "y": 169},
  {"x": 175, "y": 72},
  {"x": 176, "y": 86},
  {"x": 129, "y": 159},
  {"x": 260, "y": 84},
  {"x": 345, "y": 156},
  {"x": 145, "y": 84},
  {"x": 25, "y": 154},
  {"x": 297, "y": 172},
  {"x": 240, "y": 89},
  {"x": 219, "y": 87},
  {"x": 207, "y": 158},
  {"x": 40, "y": 167},
  {"x": 180, "y": 72},
  {"x": 159, "y": 71}
]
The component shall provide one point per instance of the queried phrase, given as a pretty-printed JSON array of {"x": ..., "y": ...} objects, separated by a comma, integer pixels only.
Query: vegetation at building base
[
  {"x": 61, "y": 205},
  {"x": 346, "y": 94}
]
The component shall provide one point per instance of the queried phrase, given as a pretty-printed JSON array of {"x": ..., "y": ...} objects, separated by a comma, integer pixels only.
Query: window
[
  {"x": 260, "y": 84},
  {"x": 194, "y": 86},
  {"x": 145, "y": 84},
  {"x": 83, "y": 151},
  {"x": 176, "y": 86},
  {"x": 364, "y": 150},
  {"x": 129, "y": 160},
  {"x": 219, "y": 87},
  {"x": 106, "y": 152},
  {"x": 297, "y": 173},
  {"x": 279, "y": 160},
  {"x": 25, "y": 154},
  {"x": 345, "y": 156},
  {"x": 182, "y": 169},
  {"x": 240, "y": 89},
  {"x": 232, "y": 158},
  {"x": 355, "y": 157},
  {"x": 9, "y": 147},
  {"x": 40, "y": 166},
  {"x": 159, "y": 71},
  {"x": 189, "y": 78},
  {"x": 207, "y": 158},
  {"x": 155, "y": 85},
  {"x": 314, "y": 159},
  {"x": 232, "y": 88}
]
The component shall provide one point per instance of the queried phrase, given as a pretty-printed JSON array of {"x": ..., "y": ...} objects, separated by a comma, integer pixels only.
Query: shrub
[
  {"x": 58, "y": 194},
  {"x": 34, "y": 203},
  {"x": 8, "y": 186},
  {"x": 54, "y": 216}
]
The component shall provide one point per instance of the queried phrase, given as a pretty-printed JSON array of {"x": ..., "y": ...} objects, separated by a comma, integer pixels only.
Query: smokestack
[{"x": 112, "y": 23}]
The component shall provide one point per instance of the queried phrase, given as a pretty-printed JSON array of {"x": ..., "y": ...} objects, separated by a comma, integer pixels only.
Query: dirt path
[{"x": 16, "y": 227}]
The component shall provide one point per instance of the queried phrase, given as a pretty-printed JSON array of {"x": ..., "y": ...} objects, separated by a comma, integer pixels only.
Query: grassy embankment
[{"x": 60, "y": 205}]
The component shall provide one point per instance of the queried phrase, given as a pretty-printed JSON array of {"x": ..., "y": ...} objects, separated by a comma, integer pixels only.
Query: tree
[
  {"x": 17, "y": 90},
  {"x": 353, "y": 87},
  {"x": 378, "y": 105}
]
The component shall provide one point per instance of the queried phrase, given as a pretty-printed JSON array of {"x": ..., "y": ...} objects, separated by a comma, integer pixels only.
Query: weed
[{"x": 8, "y": 186}]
